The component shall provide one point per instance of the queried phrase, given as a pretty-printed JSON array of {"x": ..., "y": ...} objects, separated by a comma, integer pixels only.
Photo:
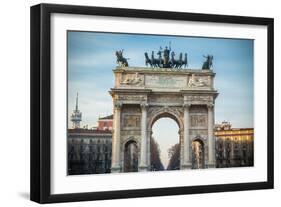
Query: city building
[
  {"x": 105, "y": 123},
  {"x": 234, "y": 146},
  {"x": 89, "y": 150}
]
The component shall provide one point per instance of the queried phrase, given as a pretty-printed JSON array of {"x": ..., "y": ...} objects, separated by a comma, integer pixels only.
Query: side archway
[
  {"x": 198, "y": 153},
  {"x": 131, "y": 156}
]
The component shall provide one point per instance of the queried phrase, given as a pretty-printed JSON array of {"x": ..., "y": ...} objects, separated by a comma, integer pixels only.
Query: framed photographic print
[{"x": 132, "y": 103}]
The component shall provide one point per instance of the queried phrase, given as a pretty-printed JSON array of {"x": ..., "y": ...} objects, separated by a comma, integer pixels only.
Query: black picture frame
[{"x": 41, "y": 102}]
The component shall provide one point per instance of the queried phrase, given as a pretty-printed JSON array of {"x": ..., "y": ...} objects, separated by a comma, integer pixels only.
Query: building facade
[
  {"x": 105, "y": 123},
  {"x": 89, "y": 150},
  {"x": 234, "y": 146}
]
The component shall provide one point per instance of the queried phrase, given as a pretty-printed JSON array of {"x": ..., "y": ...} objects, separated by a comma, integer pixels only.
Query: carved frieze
[
  {"x": 131, "y": 98},
  {"x": 198, "y": 98}
]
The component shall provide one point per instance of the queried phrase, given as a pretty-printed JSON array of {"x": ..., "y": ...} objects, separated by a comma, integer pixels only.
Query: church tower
[{"x": 76, "y": 116}]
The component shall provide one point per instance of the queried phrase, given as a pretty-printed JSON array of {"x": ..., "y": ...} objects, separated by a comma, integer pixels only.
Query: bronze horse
[
  {"x": 164, "y": 62},
  {"x": 180, "y": 62},
  {"x": 120, "y": 59},
  {"x": 147, "y": 60}
]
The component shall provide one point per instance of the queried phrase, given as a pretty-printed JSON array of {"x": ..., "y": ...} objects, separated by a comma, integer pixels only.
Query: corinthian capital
[
  {"x": 143, "y": 106},
  {"x": 118, "y": 105},
  {"x": 186, "y": 105},
  {"x": 210, "y": 106}
]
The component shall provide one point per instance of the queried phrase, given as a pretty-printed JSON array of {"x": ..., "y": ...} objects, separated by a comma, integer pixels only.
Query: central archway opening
[{"x": 165, "y": 145}]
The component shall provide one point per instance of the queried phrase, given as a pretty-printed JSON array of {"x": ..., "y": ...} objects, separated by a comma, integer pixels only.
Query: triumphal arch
[{"x": 142, "y": 95}]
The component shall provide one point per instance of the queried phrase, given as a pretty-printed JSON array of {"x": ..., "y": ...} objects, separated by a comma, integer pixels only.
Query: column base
[
  {"x": 115, "y": 169},
  {"x": 143, "y": 168},
  {"x": 185, "y": 166},
  {"x": 211, "y": 165}
]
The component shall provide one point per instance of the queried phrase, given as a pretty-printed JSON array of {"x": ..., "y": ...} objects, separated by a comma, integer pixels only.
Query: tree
[
  {"x": 156, "y": 164},
  {"x": 174, "y": 155}
]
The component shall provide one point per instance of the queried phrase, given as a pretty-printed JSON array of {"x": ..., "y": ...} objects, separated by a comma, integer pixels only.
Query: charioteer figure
[
  {"x": 208, "y": 62},
  {"x": 166, "y": 55},
  {"x": 166, "y": 62}
]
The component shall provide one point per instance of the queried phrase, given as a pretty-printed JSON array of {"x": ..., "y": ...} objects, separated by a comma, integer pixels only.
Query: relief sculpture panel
[
  {"x": 131, "y": 121},
  {"x": 198, "y": 120},
  {"x": 135, "y": 79},
  {"x": 199, "y": 81}
]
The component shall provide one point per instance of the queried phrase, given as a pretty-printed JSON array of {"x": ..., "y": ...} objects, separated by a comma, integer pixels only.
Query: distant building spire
[
  {"x": 76, "y": 116},
  {"x": 76, "y": 108}
]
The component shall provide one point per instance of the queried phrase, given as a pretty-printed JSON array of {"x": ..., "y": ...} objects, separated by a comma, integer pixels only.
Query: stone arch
[
  {"x": 130, "y": 139},
  {"x": 173, "y": 113},
  {"x": 198, "y": 138},
  {"x": 153, "y": 94},
  {"x": 165, "y": 112}
]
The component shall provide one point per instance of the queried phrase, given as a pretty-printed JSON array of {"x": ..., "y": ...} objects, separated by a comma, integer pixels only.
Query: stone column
[
  {"x": 211, "y": 144},
  {"x": 115, "y": 166},
  {"x": 149, "y": 135},
  {"x": 143, "y": 156},
  {"x": 186, "y": 141}
]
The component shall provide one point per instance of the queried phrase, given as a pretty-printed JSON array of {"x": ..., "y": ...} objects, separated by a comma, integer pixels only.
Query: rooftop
[
  {"x": 87, "y": 131},
  {"x": 106, "y": 117}
]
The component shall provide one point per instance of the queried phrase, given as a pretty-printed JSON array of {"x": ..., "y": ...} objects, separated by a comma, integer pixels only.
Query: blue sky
[{"x": 91, "y": 59}]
